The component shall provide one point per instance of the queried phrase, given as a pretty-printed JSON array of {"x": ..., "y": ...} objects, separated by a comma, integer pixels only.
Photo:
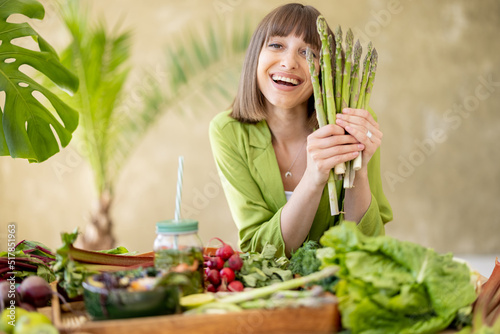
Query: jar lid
[{"x": 179, "y": 226}]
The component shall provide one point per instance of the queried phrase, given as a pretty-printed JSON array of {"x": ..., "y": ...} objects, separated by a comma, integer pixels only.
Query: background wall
[{"x": 436, "y": 95}]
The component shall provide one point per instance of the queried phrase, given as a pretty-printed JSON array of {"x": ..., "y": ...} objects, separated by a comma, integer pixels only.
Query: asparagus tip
[
  {"x": 358, "y": 49},
  {"x": 321, "y": 25}
]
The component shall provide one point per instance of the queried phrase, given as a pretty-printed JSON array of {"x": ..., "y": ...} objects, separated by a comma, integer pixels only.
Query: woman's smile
[{"x": 286, "y": 81}]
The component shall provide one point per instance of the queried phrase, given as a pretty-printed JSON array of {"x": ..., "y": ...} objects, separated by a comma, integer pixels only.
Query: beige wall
[{"x": 437, "y": 95}]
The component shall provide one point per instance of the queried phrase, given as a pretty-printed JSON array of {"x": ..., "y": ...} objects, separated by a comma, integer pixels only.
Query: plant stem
[
  {"x": 364, "y": 81},
  {"x": 86, "y": 256},
  {"x": 338, "y": 68},
  {"x": 322, "y": 121},
  {"x": 327, "y": 75},
  {"x": 371, "y": 79}
]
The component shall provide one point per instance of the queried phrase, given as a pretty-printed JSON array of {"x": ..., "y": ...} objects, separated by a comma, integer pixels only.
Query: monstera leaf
[{"x": 27, "y": 126}]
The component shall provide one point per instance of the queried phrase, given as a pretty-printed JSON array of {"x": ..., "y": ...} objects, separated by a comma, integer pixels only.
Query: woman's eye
[
  {"x": 275, "y": 45},
  {"x": 304, "y": 53}
]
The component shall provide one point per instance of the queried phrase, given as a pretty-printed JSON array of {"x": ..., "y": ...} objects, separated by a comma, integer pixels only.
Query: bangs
[{"x": 295, "y": 19}]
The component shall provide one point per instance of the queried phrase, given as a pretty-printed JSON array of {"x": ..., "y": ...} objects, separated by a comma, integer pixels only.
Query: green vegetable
[
  {"x": 340, "y": 88},
  {"x": 261, "y": 269},
  {"x": 304, "y": 260},
  {"x": 265, "y": 291},
  {"x": 314, "y": 297},
  {"x": 354, "y": 94},
  {"x": 322, "y": 121},
  {"x": 391, "y": 286},
  {"x": 31, "y": 258},
  {"x": 338, "y": 68}
]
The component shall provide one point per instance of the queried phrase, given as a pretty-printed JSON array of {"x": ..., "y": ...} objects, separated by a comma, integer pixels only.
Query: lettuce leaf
[{"x": 393, "y": 286}]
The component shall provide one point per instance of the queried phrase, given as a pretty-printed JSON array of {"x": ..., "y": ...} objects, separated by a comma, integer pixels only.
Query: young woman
[{"x": 273, "y": 165}]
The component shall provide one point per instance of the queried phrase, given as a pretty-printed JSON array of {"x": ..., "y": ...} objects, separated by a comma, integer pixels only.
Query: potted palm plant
[{"x": 201, "y": 65}]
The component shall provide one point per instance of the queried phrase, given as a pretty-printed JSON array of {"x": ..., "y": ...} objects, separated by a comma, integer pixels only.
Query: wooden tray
[{"x": 324, "y": 319}]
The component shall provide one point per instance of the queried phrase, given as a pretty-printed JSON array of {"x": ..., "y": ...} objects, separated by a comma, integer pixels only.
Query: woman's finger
[{"x": 331, "y": 141}]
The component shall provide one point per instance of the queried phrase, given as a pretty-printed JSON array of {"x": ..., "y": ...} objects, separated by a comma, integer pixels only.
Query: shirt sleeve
[
  {"x": 257, "y": 223},
  {"x": 379, "y": 212}
]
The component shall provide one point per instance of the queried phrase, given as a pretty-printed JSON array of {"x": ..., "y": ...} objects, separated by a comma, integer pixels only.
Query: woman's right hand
[{"x": 327, "y": 147}]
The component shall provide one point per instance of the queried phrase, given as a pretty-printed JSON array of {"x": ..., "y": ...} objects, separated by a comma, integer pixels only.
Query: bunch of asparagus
[{"x": 341, "y": 88}]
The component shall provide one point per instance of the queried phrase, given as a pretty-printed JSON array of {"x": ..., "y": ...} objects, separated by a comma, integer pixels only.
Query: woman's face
[{"x": 283, "y": 73}]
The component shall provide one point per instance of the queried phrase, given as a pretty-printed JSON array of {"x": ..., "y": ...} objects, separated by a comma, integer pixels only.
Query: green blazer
[{"x": 252, "y": 183}]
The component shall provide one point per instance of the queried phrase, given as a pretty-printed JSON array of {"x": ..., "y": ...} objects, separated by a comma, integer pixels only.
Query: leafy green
[
  {"x": 392, "y": 286},
  {"x": 262, "y": 269},
  {"x": 30, "y": 258},
  {"x": 304, "y": 260},
  {"x": 27, "y": 127}
]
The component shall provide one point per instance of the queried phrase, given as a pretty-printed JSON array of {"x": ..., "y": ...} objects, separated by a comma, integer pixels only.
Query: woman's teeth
[{"x": 285, "y": 80}]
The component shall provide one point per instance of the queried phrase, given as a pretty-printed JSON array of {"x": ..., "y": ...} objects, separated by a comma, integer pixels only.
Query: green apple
[
  {"x": 10, "y": 317},
  {"x": 31, "y": 322},
  {"x": 41, "y": 329}
]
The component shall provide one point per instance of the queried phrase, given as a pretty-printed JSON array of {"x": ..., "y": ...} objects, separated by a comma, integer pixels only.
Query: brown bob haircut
[{"x": 248, "y": 105}]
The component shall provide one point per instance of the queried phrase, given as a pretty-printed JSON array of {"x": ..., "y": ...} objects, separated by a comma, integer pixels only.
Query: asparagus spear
[
  {"x": 346, "y": 78},
  {"x": 338, "y": 68},
  {"x": 320, "y": 115},
  {"x": 340, "y": 168},
  {"x": 369, "y": 85},
  {"x": 345, "y": 91},
  {"x": 362, "y": 92},
  {"x": 364, "y": 81},
  {"x": 327, "y": 75},
  {"x": 367, "y": 96},
  {"x": 318, "y": 96},
  {"x": 355, "y": 75},
  {"x": 352, "y": 167}
]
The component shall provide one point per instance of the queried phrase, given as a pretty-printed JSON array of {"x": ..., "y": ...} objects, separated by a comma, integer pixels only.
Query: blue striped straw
[{"x": 179, "y": 189}]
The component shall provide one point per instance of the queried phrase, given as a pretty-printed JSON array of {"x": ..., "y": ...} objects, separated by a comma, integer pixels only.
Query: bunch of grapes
[{"x": 220, "y": 269}]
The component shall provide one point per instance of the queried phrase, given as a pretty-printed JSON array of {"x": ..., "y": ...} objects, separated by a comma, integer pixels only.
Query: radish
[
  {"x": 227, "y": 274},
  {"x": 225, "y": 251},
  {"x": 235, "y": 262},
  {"x": 211, "y": 288},
  {"x": 213, "y": 277},
  {"x": 215, "y": 263},
  {"x": 235, "y": 286}
]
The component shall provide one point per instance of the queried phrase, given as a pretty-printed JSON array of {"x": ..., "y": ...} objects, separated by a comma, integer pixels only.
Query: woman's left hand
[{"x": 360, "y": 124}]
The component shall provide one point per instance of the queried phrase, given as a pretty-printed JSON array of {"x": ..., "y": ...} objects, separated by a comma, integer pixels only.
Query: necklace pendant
[{"x": 288, "y": 174}]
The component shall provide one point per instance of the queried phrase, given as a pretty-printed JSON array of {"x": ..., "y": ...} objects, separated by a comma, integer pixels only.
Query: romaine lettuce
[{"x": 393, "y": 286}]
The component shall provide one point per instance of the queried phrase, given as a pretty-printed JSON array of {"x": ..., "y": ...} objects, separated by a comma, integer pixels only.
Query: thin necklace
[{"x": 288, "y": 173}]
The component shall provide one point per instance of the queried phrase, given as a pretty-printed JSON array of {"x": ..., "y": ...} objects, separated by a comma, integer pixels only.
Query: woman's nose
[{"x": 289, "y": 60}]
